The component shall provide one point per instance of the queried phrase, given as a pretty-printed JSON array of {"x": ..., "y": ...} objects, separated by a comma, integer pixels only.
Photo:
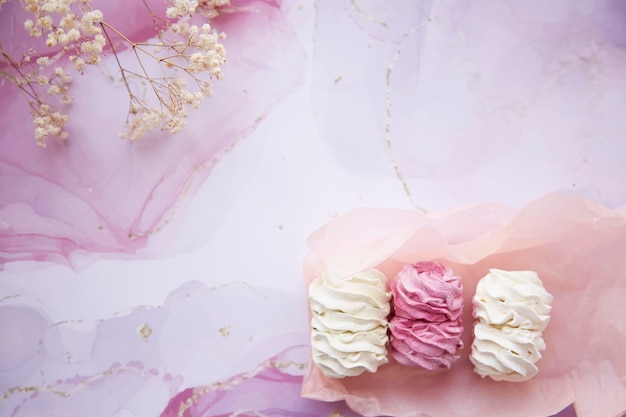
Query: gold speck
[
  {"x": 390, "y": 156},
  {"x": 300, "y": 7},
  {"x": 338, "y": 79},
  {"x": 9, "y": 297},
  {"x": 144, "y": 331},
  {"x": 281, "y": 227},
  {"x": 384, "y": 24},
  {"x": 65, "y": 394},
  {"x": 367, "y": 16},
  {"x": 225, "y": 331},
  {"x": 335, "y": 414}
]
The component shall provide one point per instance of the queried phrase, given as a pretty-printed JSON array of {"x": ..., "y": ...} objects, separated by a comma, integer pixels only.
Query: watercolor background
[{"x": 164, "y": 277}]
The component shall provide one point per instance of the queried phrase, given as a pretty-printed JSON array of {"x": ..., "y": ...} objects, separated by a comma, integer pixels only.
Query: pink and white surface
[{"x": 164, "y": 277}]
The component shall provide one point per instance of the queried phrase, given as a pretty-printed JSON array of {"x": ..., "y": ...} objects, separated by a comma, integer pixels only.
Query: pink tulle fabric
[
  {"x": 574, "y": 244},
  {"x": 97, "y": 193}
]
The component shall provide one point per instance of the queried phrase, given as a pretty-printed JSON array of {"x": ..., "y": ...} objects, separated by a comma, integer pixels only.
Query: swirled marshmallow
[
  {"x": 426, "y": 328},
  {"x": 349, "y": 323},
  {"x": 514, "y": 299},
  {"x": 512, "y": 309}
]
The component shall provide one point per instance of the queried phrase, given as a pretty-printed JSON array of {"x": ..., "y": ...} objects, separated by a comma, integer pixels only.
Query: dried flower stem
[{"x": 182, "y": 51}]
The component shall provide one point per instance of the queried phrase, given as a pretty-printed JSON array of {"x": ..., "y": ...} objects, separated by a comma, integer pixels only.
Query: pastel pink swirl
[
  {"x": 429, "y": 345},
  {"x": 427, "y": 291},
  {"x": 426, "y": 327}
]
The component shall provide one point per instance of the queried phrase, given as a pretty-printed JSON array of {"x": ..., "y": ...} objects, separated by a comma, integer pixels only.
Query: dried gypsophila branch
[
  {"x": 47, "y": 118},
  {"x": 180, "y": 50},
  {"x": 199, "y": 58}
]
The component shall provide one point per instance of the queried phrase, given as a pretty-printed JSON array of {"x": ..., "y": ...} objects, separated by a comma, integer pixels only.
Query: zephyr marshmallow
[
  {"x": 349, "y": 323},
  {"x": 512, "y": 309}
]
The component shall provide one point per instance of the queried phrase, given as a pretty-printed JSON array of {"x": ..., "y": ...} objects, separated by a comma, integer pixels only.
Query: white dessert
[
  {"x": 507, "y": 353},
  {"x": 349, "y": 323},
  {"x": 511, "y": 308},
  {"x": 514, "y": 299}
]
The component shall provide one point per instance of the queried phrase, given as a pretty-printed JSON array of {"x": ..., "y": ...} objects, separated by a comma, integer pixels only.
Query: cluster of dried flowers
[{"x": 181, "y": 52}]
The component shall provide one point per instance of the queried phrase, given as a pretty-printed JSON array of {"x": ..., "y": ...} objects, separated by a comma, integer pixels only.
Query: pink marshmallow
[{"x": 426, "y": 327}]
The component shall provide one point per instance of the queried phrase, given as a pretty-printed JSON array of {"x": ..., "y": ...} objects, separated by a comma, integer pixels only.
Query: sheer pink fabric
[{"x": 574, "y": 244}]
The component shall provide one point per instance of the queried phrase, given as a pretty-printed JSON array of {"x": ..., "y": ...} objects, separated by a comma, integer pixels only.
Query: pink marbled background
[{"x": 347, "y": 103}]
